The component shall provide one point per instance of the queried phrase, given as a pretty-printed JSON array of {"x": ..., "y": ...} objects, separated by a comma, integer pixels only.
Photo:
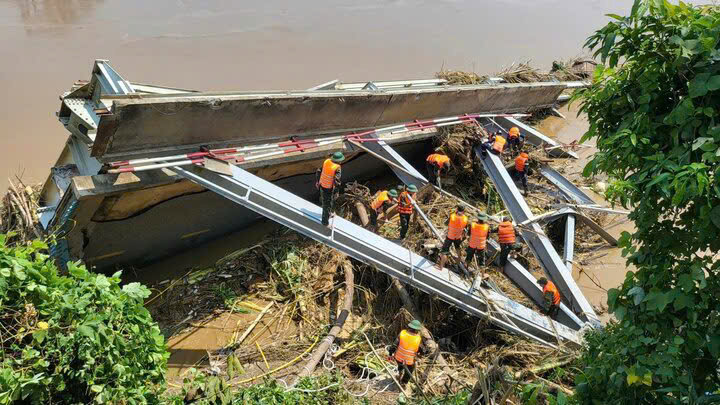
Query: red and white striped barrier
[{"x": 244, "y": 154}]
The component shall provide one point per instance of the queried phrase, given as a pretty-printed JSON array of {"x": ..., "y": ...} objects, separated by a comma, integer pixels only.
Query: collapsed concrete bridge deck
[
  {"x": 107, "y": 210},
  {"x": 110, "y": 118}
]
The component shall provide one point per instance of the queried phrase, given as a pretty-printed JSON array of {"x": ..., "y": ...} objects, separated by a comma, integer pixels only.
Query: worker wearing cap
[
  {"x": 435, "y": 164},
  {"x": 457, "y": 222},
  {"x": 406, "y": 350},
  {"x": 405, "y": 208},
  {"x": 506, "y": 238},
  {"x": 478, "y": 241},
  {"x": 551, "y": 297},
  {"x": 520, "y": 171},
  {"x": 516, "y": 139},
  {"x": 381, "y": 203},
  {"x": 495, "y": 144},
  {"x": 328, "y": 181}
]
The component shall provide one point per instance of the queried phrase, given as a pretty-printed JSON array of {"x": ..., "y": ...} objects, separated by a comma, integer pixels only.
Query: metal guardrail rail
[
  {"x": 536, "y": 239},
  {"x": 383, "y": 149},
  {"x": 529, "y": 286},
  {"x": 296, "y": 213},
  {"x": 532, "y": 135},
  {"x": 566, "y": 187}
]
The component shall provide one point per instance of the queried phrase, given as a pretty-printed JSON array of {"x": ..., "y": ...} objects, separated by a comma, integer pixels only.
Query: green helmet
[
  {"x": 337, "y": 157},
  {"x": 415, "y": 324},
  {"x": 411, "y": 188},
  {"x": 393, "y": 193}
]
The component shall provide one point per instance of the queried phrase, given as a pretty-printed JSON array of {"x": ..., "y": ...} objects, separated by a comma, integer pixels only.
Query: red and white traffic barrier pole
[{"x": 240, "y": 154}]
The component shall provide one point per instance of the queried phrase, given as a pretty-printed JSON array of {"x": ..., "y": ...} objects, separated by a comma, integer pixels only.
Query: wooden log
[
  {"x": 362, "y": 213},
  {"x": 339, "y": 322}
]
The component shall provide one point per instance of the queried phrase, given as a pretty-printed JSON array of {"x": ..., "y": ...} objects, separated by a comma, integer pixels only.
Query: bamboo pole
[
  {"x": 339, "y": 323},
  {"x": 250, "y": 328}
]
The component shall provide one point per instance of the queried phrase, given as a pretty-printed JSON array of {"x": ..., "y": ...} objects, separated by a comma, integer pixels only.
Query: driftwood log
[{"x": 337, "y": 328}]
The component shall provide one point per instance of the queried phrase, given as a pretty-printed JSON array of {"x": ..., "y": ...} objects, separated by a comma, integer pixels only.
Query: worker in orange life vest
[
  {"x": 381, "y": 203},
  {"x": 406, "y": 350},
  {"x": 405, "y": 207},
  {"x": 327, "y": 179},
  {"x": 478, "y": 241},
  {"x": 496, "y": 144},
  {"x": 457, "y": 222},
  {"x": 506, "y": 238},
  {"x": 435, "y": 164},
  {"x": 516, "y": 139},
  {"x": 520, "y": 170},
  {"x": 551, "y": 297}
]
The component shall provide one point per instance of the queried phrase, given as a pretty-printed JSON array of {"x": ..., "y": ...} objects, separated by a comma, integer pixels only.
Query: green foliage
[
  {"x": 459, "y": 398},
  {"x": 533, "y": 394},
  {"x": 229, "y": 298},
  {"x": 73, "y": 339},
  {"x": 653, "y": 110},
  {"x": 290, "y": 267},
  {"x": 201, "y": 389}
]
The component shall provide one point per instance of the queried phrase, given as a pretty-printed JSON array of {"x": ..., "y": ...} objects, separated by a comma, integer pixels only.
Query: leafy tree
[
  {"x": 74, "y": 339},
  {"x": 653, "y": 110}
]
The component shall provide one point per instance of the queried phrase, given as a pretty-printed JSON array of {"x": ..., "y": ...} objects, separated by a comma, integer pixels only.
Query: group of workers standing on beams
[{"x": 459, "y": 225}]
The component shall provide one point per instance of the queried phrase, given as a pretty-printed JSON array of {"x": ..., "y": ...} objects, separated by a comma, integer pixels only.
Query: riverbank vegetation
[{"x": 653, "y": 110}]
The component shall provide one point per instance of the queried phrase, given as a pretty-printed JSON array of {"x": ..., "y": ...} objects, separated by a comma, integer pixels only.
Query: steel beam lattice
[
  {"x": 296, "y": 213},
  {"x": 536, "y": 239}
]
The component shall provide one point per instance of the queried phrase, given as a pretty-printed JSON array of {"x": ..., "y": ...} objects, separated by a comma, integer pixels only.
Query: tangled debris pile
[
  {"x": 578, "y": 68},
  {"x": 18, "y": 212},
  {"x": 302, "y": 280}
]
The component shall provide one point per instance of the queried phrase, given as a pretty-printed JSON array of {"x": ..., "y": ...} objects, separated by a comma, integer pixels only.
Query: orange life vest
[
  {"x": 404, "y": 205},
  {"x": 408, "y": 347},
  {"x": 520, "y": 162},
  {"x": 506, "y": 232},
  {"x": 327, "y": 177},
  {"x": 478, "y": 235},
  {"x": 379, "y": 200},
  {"x": 456, "y": 226},
  {"x": 499, "y": 144},
  {"x": 438, "y": 160},
  {"x": 556, "y": 294}
]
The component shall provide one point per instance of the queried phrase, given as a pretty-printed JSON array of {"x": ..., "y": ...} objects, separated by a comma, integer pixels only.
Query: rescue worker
[
  {"x": 521, "y": 170},
  {"x": 551, "y": 297},
  {"x": 382, "y": 202},
  {"x": 435, "y": 164},
  {"x": 405, "y": 208},
  {"x": 496, "y": 144},
  {"x": 478, "y": 241},
  {"x": 506, "y": 238},
  {"x": 407, "y": 349},
  {"x": 516, "y": 139},
  {"x": 457, "y": 222},
  {"x": 327, "y": 180}
]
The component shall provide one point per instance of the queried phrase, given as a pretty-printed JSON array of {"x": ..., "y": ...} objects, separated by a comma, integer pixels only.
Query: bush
[
  {"x": 202, "y": 389},
  {"x": 654, "y": 112},
  {"x": 79, "y": 338}
]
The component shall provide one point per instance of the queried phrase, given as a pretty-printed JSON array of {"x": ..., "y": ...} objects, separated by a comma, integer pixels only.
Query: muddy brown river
[{"x": 239, "y": 45}]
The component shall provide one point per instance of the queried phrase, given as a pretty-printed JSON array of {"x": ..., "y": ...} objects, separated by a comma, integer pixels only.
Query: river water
[{"x": 273, "y": 44}]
